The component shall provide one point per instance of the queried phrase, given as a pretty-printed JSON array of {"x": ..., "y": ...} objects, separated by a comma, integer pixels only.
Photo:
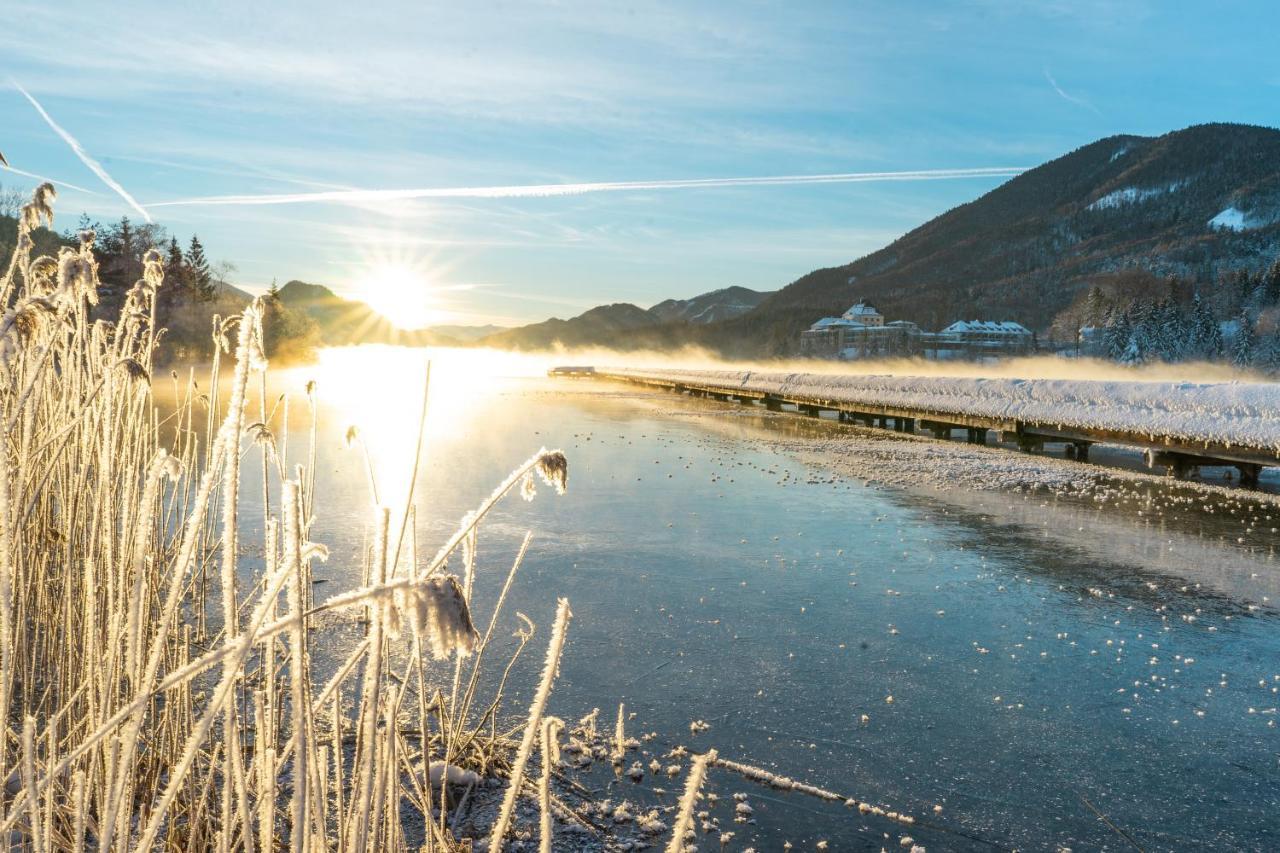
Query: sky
[{"x": 176, "y": 102}]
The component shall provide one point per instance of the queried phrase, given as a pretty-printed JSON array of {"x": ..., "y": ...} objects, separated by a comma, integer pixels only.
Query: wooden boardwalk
[{"x": 1178, "y": 455}]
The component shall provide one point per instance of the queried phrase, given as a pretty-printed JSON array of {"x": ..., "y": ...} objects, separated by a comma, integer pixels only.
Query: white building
[
  {"x": 965, "y": 339},
  {"x": 860, "y": 332}
]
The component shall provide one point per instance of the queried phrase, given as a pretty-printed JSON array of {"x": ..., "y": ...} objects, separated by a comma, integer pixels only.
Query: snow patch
[
  {"x": 1121, "y": 151},
  {"x": 1231, "y": 219},
  {"x": 1133, "y": 195}
]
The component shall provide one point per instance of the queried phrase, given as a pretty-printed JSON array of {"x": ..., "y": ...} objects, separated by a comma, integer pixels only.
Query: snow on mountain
[
  {"x": 1133, "y": 195},
  {"x": 1230, "y": 219},
  {"x": 711, "y": 307}
]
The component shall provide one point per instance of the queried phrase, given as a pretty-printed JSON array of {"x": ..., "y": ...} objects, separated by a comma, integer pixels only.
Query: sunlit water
[{"x": 1049, "y": 672}]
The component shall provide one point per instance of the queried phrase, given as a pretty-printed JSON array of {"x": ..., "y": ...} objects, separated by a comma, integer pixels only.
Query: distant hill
[
  {"x": 665, "y": 324},
  {"x": 349, "y": 321},
  {"x": 723, "y": 304},
  {"x": 467, "y": 334},
  {"x": 602, "y": 325},
  {"x": 1195, "y": 204}
]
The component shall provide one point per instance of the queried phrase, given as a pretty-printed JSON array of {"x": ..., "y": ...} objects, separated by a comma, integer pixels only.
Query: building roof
[
  {"x": 994, "y": 327},
  {"x": 862, "y": 309}
]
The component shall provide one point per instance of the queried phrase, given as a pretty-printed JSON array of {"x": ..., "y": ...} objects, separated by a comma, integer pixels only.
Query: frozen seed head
[
  {"x": 27, "y": 318},
  {"x": 261, "y": 435},
  {"x": 438, "y": 614},
  {"x": 172, "y": 467},
  {"x": 40, "y": 208},
  {"x": 77, "y": 275},
  {"x": 135, "y": 372},
  {"x": 554, "y": 469},
  {"x": 152, "y": 269},
  {"x": 527, "y": 488},
  {"x": 42, "y": 271},
  {"x": 220, "y": 329},
  {"x": 315, "y": 551}
]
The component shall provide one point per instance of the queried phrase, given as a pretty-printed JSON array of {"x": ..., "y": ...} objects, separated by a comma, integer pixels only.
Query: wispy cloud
[
  {"x": 1078, "y": 101},
  {"x": 366, "y": 197},
  {"x": 79, "y": 151}
]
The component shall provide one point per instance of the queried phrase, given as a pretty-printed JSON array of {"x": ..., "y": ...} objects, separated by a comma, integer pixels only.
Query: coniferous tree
[
  {"x": 1206, "y": 337},
  {"x": 1245, "y": 342},
  {"x": 1095, "y": 308},
  {"x": 198, "y": 269},
  {"x": 174, "y": 263},
  {"x": 1115, "y": 341},
  {"x": 1175, "y": 331},
  {"x": 1271, "y": 285}
]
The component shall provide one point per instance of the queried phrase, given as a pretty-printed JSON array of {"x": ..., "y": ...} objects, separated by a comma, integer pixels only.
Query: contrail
[
  {"x": 6, "y": 167},
  {"x": 79, "y": 151},
  {"x": 1080, "y": 102},
  {"x": 548, "y": 190}
]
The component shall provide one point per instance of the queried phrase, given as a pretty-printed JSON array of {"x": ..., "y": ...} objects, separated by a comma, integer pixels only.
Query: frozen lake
[{"x": 1053, "y": 667}]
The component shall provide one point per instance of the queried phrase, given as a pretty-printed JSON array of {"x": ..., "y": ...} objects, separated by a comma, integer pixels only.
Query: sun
[{"x": 400, "y": 293}]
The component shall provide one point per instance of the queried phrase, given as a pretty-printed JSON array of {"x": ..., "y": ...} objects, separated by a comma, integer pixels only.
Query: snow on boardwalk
[{"x": 1243, "y": 415}]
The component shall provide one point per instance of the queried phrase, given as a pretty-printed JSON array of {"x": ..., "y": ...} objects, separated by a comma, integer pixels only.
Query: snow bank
[{"x": 1244, "y": 414}]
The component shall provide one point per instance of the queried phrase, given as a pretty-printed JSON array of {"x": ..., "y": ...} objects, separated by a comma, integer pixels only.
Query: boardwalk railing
[{"x": 1179, "y": 426}]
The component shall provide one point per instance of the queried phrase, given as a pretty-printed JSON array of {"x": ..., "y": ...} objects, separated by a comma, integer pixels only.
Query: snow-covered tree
[
  {"x": 1244, "y": 344},
  {"x": 1271, "y": 284},
  {"x": 1115, "y": 340},
  {"x": 1206, "y": 336}
]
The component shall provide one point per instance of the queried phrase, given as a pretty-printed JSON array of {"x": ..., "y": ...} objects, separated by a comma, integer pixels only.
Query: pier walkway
[{"x": 1178, "y": 426}]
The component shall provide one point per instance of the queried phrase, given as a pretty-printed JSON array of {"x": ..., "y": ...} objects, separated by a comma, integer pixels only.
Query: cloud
[
  {"x": 368, "y": 197},
  {"x": 1080, "y": 102},
  {"x": 79, "y": 151}
]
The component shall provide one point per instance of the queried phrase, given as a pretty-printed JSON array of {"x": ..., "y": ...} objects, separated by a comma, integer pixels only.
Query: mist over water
[{"x": 1027, "y": 661}]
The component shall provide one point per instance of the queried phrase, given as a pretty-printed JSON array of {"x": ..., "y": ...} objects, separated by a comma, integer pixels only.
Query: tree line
[
  {"x": 1238, "y": 321},
  {"x": 196, "y": 288}
]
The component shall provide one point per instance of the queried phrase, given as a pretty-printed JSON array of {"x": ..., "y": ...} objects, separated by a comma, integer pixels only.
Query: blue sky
[{"x": 239, "y": 98}]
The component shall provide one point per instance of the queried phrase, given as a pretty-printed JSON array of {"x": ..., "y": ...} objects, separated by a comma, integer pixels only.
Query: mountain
[
  {"x": 349, "y": 321},
  {"x": 665, "y": 324},
  {"x": 466, "y": 334},
  {"x": 1196, "y": 204},
  {"x": 604, "y": 325},
  {"x": 1123, "y": 214},
  {"x": 723, "y": 304}
]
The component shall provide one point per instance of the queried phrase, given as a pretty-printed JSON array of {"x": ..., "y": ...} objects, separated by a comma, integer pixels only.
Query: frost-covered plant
[{"x": 154, "y": 693}]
